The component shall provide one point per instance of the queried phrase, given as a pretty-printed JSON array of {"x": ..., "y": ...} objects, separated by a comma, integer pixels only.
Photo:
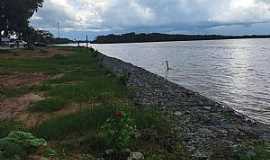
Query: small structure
[{"x": 4, "y": 41}]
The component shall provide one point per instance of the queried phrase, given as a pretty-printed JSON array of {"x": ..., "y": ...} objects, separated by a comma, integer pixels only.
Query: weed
[{"x": 119, "y": 131}]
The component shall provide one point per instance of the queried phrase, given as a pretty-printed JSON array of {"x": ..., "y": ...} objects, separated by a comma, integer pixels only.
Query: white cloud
[{"x": 245, "y": 11}]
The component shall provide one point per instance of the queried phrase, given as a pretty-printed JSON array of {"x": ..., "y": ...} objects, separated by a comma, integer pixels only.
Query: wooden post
[{"x": 167, "y": 65}]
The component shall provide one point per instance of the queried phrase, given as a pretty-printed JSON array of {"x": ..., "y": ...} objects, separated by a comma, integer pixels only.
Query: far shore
[{"x": 158, "y": 37}]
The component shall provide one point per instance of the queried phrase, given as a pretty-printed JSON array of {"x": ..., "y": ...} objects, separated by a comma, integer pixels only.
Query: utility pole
[
  {"x": 87, "y": 41},
  {"x": 58, "y": 28}
]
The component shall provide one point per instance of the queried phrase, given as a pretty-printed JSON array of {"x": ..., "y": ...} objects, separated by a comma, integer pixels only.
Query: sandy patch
[
  {"x": 10, "y": 108},
  {"x": 19, "y": 79}
]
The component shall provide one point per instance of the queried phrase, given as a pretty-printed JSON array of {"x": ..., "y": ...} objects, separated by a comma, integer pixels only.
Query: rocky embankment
[{"x": 209, "y": 130}]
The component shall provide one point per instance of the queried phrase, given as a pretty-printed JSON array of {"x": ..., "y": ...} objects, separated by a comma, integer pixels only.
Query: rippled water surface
[{"x": 236, "y": 72}]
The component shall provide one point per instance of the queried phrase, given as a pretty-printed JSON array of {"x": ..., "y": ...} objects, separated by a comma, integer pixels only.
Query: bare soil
[
  {"x": 14, "y": 80},
  {"x": 10, "y": 108},
  {"x": 37, "y": 53}
]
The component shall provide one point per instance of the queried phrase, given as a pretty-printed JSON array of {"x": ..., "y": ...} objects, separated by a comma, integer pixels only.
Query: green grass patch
[
  {"x": 83, "y": 80},
  {"x": 8, "y": 126},
  {"x": 56, "y": 64},
  {"x": 74, "y": 125},
  {"x": 90, "y": 120},
  {"x": 47, "y": 105}
]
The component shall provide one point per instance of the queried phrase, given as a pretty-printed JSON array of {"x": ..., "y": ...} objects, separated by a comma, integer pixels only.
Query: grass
[
  {"x": 74, "y": 125},
  {"x": 83, "y": 128},
  {"x": 8, "y": 126},
  {"x": 4, "y": 51},
  {"x": 57, "y": 64},
  {"x": 81, "y": 80},
  {"x": 14, "y": 92},
  {"x": 90, "y": 120},
  {"x": 47, "y": 105}
]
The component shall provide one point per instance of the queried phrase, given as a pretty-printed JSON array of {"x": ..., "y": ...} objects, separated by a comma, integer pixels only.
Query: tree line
[{"x": 158, "y": 37}]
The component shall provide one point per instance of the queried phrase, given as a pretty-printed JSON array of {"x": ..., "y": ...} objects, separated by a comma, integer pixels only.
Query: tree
[
  {"x": 15, "y": 15},
  {"x": 39, "y": 36}
]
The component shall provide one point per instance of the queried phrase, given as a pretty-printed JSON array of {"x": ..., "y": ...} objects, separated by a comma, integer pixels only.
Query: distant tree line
[{"x": 158, "y": 37}]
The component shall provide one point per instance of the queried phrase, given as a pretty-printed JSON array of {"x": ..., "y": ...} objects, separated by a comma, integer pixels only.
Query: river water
[{"x": 235, "y": 72}]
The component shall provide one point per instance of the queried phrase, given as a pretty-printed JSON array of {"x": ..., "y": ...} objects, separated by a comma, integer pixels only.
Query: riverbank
[{"x": 65, "y": 95}]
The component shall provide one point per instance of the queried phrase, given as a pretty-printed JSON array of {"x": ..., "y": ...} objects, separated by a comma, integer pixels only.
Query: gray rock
[
  {"x": 136, "y": 156},
  {"x": 109, "y": 151}
]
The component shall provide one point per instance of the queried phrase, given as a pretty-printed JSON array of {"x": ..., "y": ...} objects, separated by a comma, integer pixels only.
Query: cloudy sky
[{"x": 95, "y": 17}]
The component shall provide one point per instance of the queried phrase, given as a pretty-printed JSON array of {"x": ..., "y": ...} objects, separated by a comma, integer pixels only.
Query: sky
[{"x": 78, "y": 18}]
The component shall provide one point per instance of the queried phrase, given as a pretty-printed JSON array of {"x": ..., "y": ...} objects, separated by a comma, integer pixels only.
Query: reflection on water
[{"x": 236, "y": 72}]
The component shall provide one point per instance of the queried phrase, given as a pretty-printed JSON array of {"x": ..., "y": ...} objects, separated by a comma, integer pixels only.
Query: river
[{"x": 235, "y": 72}]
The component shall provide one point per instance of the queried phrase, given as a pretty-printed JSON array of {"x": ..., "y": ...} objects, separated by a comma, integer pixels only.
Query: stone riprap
[{"x": 209, "y": 130}]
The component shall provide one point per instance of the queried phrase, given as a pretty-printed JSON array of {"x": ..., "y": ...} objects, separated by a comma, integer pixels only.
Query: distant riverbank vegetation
[{"x": 158, "y": 37}]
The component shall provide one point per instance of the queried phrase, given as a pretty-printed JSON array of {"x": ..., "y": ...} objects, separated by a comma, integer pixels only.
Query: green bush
[
  {"x": 17, "y": 145},
  {"x": 119, "y": 131}
]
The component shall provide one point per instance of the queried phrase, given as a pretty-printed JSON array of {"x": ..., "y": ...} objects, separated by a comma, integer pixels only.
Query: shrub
[
  {"x": 119, "y": 131},
  {"x": 17, "y": 145}
]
